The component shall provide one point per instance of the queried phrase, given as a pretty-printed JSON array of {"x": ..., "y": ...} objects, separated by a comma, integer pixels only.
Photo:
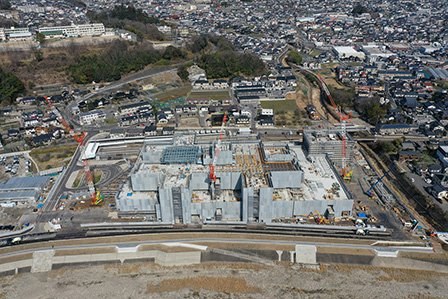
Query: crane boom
[
  {"x": 342, "y": 119},
  {"x": 95, "y": 196},
  {"x": 217, "y": 150},
  {"x": 369, "y": 192}
]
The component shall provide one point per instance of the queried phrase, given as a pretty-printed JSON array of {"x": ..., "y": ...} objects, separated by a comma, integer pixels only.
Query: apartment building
[
  {"x": 73, "y": 30},
  {"x": 87, "y": 118}
]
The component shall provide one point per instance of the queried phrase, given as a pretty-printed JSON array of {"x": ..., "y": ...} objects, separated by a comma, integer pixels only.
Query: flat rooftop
[
  {"x": 255, "y": 181},
  {"x": 24, "y": 183},
  {"x": 322, "y": 136},
  {"x": 320, "y": 181}
]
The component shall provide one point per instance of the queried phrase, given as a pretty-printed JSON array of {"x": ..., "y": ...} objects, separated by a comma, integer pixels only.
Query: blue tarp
[{"x": 362, "y": 215}]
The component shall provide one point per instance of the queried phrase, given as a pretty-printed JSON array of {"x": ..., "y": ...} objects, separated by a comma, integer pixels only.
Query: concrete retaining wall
[{"x": 39, "y": 264}]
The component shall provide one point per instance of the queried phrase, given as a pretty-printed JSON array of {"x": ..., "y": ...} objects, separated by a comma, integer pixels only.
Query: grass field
[
  {"x": 329, "y": 76},
  {"x": 315, "y": 53},
  {"x": 53, "y": 156},
  {"x": 213, "y": 95},
  {"x": 280, "y": 106},
  {"x": 97, "y": 174},
  {"x": 173, "y": 93},
  {"x": 442, "y": 84},
  {"x": 286, "y": 113}
]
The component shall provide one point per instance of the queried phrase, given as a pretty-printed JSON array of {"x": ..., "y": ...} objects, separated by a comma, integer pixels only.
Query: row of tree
[
  {"x": 344, "y": 97},
  {"x": 218, "y": 57},
  {"x": 224, "y": 64},
  {"x": 131, "y": 19},
  {"x": 5, "y": 4},
  {"x": 208, "y": 43},
  {"x": 10, "y": 87},
  {"x": 121, "y": 58}
]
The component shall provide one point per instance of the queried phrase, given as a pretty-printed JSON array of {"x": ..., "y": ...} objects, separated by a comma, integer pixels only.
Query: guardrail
[{"x": 17, "y": 233}]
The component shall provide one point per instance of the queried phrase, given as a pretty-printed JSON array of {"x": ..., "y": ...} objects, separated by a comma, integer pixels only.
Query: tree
[
  {"x": 359, "y": 9},
  {"x": 182, "y": 72},
  {"x": 10, "y": 87},
  {"x": 372, "y": 111},
  {"x": 294, "y": 57},
  {"x": 198, "y": 43},
  {"x": 173, "y": 53},
  {"x": 343, "y": 97},
  {"x": 40, "y": 38},
  {"x": 131, "y": 19},
  {"x": 129, "y": 12},
  {"x": 224, "y": 64},
  {"x": 111, "y": 64},
  {"x": 38, "y": 55},
  {"x": 5, "y": 5}
]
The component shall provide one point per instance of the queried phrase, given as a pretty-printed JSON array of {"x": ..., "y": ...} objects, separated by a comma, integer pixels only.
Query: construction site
[{"x": 195, "y": 180}]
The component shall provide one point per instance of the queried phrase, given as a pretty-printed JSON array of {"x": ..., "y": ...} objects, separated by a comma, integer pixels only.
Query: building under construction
[
  {"x": 328, "y": 142},
  {"x": 255, "y": 182}
]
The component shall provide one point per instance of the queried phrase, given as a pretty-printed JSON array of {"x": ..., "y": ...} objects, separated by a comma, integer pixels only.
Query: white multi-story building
[
  {"x": 73, "y": 30},
  {"x": 17, "y": 33},
  {"x": 164, "y": 29},
  {"x": 31, "y": 8},
  {"x": 267, "y": 112},
  {"x": 87, "y": 118}
]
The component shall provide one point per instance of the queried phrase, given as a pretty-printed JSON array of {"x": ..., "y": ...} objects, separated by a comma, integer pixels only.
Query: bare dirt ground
[
  {"x": 234, "y": 280},
  {"x": 53, "y": 156},
  {"x": 189, "y": 122}
]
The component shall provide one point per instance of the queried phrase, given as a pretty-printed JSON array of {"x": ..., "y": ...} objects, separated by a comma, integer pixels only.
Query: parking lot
[
  {"x": 423, "y": 182},
  {"x": 14, "y": 166}
]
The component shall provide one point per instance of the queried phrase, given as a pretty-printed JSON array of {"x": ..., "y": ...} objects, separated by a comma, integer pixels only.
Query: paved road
[
  {"x": 51, "y": 202},
  {"x": 225, "y": 239},
  {"x": 144, "y": 74}
]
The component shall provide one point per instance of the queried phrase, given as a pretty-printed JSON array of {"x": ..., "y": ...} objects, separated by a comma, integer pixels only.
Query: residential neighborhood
[{"x": 264, "y": 144}]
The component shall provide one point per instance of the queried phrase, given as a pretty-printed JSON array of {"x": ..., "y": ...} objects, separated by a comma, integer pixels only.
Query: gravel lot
[{"x": 238, "y": 280}]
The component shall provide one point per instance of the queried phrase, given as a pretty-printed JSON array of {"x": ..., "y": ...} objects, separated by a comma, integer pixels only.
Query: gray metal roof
[
  {"x": 18, "y": 195},
  {"x": 225, "y": 158},
  {"x": 230, "y": 180},
  {"x": 25, "y": 183},
  {"x": 265, "y": 209},
  {"x": 134, "y": 204},
  {"x": 166, "y": 205},
  {"x": 152, "y": 157},
  {"x": 279, "y": 157},
  {"x": 147, "y": 181},
  {"x": 286, "y": 179},
  {"x": 199, "y": 181}
]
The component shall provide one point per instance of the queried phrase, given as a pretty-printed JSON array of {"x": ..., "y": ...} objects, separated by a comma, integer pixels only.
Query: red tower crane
[
  {"x": 95, "y": 197},
  {"x": 343, "y": 118},
  {"x": 217, "y": 150}
]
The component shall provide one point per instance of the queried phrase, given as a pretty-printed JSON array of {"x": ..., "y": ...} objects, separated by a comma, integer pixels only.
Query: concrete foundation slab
[
  {"x": 42, "y": 261},
  {"x": 306, "y": 254}
]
